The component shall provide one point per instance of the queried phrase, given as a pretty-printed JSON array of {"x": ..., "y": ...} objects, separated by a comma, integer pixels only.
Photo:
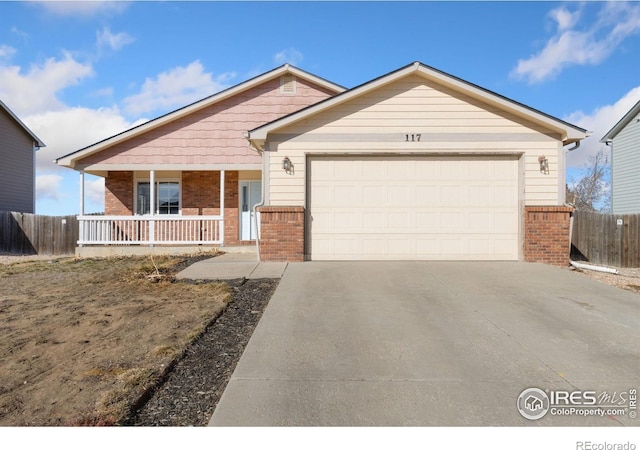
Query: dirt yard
[{"x": 82, "y": 340}]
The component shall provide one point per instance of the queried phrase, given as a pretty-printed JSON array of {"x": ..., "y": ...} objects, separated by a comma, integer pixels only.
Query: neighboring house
[
  {"x": 624, "y": 140},
  {"x": 18, "y": 145},
  {"x": 416, "y": 164}
]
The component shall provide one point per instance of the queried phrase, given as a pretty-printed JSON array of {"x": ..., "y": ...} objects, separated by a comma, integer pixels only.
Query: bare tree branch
[{"x": 592, "y": 192}]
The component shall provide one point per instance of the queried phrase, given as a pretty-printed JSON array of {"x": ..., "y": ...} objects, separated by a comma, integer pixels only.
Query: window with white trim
[{"x": 167, "y": 197}]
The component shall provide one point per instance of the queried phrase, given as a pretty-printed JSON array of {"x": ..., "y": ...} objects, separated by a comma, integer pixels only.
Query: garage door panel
[
  {"x": 388, "y": 208},
  {"x": 347, "y": 170},
  {"x": 323, "y": 220},
  {"x": 372, "y": 194},
  {"x": 399, "y": 194},
  {"x": 372, "y": 246},
  {"x": 400, "y": 220}
]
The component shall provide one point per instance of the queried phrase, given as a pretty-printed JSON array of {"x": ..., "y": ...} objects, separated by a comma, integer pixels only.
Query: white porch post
[
  {"x": 222, "y": 207},
  {"x": 152, "y": 206},
  {"x": 81, "y": 227}
]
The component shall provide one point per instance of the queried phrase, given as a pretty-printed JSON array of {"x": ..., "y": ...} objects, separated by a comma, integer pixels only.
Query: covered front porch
[{"x": 177, "y": 208}]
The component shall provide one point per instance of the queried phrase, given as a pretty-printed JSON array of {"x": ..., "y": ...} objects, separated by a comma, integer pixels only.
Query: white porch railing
[{"x": 150, "y": 230}]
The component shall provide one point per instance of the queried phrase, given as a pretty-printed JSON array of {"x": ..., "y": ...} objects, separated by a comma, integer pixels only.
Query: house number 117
[{"x": 412, "y": 137}]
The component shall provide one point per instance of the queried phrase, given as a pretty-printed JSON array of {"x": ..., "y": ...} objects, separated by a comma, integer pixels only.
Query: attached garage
[
  {"x": 413, "y": 208},
  {"x": 415, "y": 165}
]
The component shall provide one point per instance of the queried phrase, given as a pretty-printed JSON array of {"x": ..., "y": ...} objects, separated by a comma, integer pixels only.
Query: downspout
[{"x": 261, "y": 203}]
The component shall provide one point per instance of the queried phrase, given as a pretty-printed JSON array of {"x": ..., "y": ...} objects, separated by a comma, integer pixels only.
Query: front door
[{"x": 250, "y": 195}]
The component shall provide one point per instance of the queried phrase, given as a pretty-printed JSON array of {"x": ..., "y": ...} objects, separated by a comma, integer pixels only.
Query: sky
[{"x": 78, "y": 72}]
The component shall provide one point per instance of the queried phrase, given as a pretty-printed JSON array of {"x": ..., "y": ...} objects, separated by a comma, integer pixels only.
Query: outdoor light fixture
[
  {"x": 544, "y": 164},
  {"x": 286, "y": 164}
]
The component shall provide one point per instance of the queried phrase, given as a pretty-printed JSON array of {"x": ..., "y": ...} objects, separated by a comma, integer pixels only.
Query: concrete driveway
[{"x": 434, "y": 343}]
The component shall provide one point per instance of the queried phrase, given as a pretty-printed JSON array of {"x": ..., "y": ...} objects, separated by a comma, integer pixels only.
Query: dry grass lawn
[{"x": 82, "y": 340}]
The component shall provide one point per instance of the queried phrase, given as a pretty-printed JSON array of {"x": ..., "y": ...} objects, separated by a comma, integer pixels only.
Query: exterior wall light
[
  {"x": 287, "y": 165},
  {"x": 544, "y": 164}
]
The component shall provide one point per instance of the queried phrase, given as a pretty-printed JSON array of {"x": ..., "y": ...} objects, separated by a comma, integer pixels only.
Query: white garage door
[{"x": 413, "y": 208}]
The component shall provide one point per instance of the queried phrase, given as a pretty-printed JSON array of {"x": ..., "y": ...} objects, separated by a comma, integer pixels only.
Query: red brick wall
[
  {"x": 200, "y": 193},
  {"x": 281, "y": 233},
  {"x": 546, "y": 234},
  {"x": 118, "y": 194}
]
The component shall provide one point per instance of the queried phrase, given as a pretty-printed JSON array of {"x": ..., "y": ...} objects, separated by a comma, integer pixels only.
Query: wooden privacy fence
[
  {"x": 30, "y": 234},
  {"x": 606, "y": 239}
]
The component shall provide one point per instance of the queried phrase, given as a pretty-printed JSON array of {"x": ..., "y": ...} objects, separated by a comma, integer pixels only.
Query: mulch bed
[{"x": 192, "y": 389}]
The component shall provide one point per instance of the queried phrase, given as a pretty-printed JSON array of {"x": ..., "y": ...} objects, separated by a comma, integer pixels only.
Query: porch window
[{"x": 167, "y": 197}]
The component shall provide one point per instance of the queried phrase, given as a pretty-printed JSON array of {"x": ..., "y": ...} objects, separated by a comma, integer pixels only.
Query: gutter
[{"x": 575, "y": 147}]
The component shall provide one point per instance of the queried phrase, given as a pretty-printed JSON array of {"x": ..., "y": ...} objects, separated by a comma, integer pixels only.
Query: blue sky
[{"x": 78, "y": 72}]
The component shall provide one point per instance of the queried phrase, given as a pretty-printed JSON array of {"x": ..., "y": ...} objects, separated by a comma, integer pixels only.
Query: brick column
[
  {"x": 546, "y": 234},
  {"x": 281, "y": 233}
]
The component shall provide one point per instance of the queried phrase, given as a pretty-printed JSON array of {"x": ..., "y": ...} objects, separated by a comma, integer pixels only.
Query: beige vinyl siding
[
  {"x": 16, "y": 171},
  {"x": 449, "y": 123},
  {"x": 625, "y": 164}
]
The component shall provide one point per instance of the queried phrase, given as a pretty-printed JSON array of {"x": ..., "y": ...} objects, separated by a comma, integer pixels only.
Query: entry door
[{"x": 250, "y": 195}]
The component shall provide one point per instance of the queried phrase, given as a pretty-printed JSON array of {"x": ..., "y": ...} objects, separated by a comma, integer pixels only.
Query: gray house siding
[
  {"x": 16, "y": 166},
  {"x": 625, "y": 169}
]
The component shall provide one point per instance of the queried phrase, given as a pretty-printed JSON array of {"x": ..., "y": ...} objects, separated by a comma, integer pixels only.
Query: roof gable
[
  {"x": 622, "y": 123},
  {"x": 70, "y": 159},
  {"x": 569, "y": 133},
  {"x": 26, "y": 129}
]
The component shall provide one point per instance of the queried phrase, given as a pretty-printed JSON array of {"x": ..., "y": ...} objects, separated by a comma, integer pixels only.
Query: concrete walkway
[
  {"x": 431, "y": 343},
  {"x": 232, "y": 266}
]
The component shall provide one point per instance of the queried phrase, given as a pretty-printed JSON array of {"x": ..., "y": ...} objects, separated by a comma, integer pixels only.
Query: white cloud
[
  {"x": 83, "y": 9},
  {"x": 71, "y": 129},
  {"x": 564, "y": 18},
  {"x": 6, "y": 52},
  {"x": 94, "y": 192},
  {"x": 600, "y": 121},
  {"x": 175, "y": 88},
  {"x": 569, "y": 46},
  {"x": 48, "y": 187},
  {"x": 290, "y": 56},
  {"x": 23, "y": 35},
  {"x": 111, "y": 41},
  {"x": 36, "y": 90}
]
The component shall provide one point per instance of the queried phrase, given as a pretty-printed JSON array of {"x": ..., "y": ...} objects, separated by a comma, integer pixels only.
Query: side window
[{"x": 167, "y": 198}]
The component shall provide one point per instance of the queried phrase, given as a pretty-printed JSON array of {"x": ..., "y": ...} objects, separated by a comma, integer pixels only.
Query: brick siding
[
  {"x": 118, "y": 194},
  {"x": 281, "y": 233},
  {"x": 546, "y": 234}
]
